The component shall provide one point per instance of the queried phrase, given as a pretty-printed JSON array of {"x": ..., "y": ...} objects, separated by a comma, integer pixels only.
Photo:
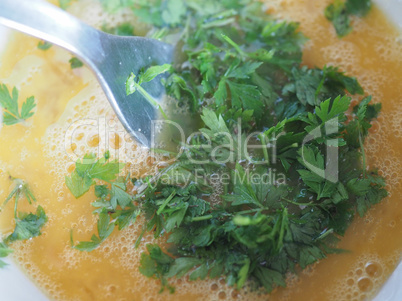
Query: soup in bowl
[{"x": 72, "y": 118}]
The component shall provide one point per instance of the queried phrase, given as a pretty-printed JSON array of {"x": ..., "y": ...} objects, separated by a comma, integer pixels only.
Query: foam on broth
[{"x": 38, "y": 152}]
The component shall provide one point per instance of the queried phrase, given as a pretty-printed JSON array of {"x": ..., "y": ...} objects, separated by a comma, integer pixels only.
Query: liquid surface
[{"x": 73, "y": 117}]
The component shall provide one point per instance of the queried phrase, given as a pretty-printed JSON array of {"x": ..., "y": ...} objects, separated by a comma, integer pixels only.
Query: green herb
[
  {"x": 114, "y": 196},
  {"x": 358, "y": 7},
  {"x": 134, "y": 83},
  {"x": 4, "y": 252},
  {"x": 156, "y": 264},
  {"x": 21, "y": 188},
  {"x": 124, "y": 218},
  {"x": 43, "y": 45},
  {"x": 282, "y": 207},
  {"x": 12, "y": 114},
  {"x": 148, "y": 75},
  {"x": 339, "y": 14},
  {"x": 114, "y": 206},
  {"x": 104, "y": 230},
  {"x": 89, "y": 169},
  {"x": 125, "y": 29},
  {"x": 75, "y": 63},
  {"x": 27, "y": 225}
]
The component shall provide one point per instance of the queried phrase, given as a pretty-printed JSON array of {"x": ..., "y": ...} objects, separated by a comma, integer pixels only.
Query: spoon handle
[{"x": 43, "y": 20}]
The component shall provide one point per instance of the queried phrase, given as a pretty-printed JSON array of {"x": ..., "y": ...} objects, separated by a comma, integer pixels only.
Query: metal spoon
[{"x": 112, "y": 58}]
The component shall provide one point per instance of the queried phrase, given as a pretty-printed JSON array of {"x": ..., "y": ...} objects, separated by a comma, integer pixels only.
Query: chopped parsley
[
  {"x": 339, "y": 14},
  {"x": 12, "y": 114},
  {"x": 134, "y": 83},
  {"x": 75, "y": 63},
  {"x": 125, "y": 29},
  {"x": 88, "y": 169},
  {"x": 278, "y": 139},
  {"x": 4, "y": 252},
  {"x": 104, "y": 230},
  {"x": 27, "y": 225},
  {"x": 43, "y": 45}
]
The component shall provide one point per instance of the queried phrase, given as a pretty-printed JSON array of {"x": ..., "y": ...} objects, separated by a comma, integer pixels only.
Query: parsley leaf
[
  {"x": 21, "y": 188},
  {"x": 28, "y": 225},
  {"x": 133, "y": 83},
  {"x": 306, "y": 83},
  {"x": 339, "y": 14},
  {"x": 125, "y": 217},
  {"x": 312, "y": 86},
  {"x": 75, "y": 63},
  {"x": 78, "y": 185},
  {"x": 268, "y": 278},
  {"x": 156, "y": 264},
  {"x": 215, "y": 125},
  {"x": 182, "y": 266},
  {"x": 153, "y": 72},
  {"x": 243, "y": 193},
  {"x": 358, "y": 7},
  {"x": 89, "y": 169},
  {"x": 369, "y": 191},
  {"x": 105, "y": 228},
  {"x": 330, "y": 109},
  {"x": 4, "y": 252},
  {"x": 9, "y": 102},
  {"x": 43, "y": 45},
  {"x": 314, "y": 178},
  {"x": 119, "y": 195},
  {"x": 125, "y": 29}
]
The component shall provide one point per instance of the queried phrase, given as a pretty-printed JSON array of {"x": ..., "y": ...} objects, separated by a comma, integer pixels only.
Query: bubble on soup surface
[
  {"x": 362, "y": 280},
  {"x": 365, "y": 284},
  {"x": 392, "y": 224},
  {"x": 373, "y": 269}
]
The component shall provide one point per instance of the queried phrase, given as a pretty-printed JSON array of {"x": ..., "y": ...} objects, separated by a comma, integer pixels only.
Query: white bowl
[{"x": 16, "y": 286}]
